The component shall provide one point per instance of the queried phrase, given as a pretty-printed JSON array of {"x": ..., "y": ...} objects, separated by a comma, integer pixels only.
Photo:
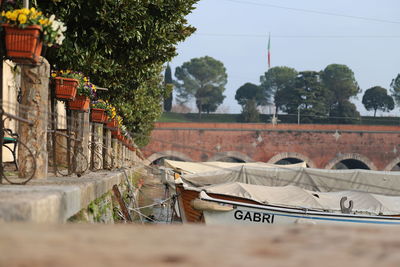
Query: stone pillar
[
  {"x": 80, "y": 126},
  {"x": 33, "y": 107},
  {"x": 120, "y": 156},
  {"x": 114, "y": 153},
  {"x": 107, "y": 149},
  {"x": 97, "y": 147}
]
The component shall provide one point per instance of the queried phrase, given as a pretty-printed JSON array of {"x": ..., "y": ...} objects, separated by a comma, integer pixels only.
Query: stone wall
[{"x": 321, "y": 146}]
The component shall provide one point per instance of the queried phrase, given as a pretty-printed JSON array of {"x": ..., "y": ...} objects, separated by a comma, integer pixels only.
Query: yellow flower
[
  {"x": 22, "y": 18},
  {"x": 13, "y": 16},
  {"x": 33, "y": 10},
  {"x": 24, "y": 11},
  {"x": 53, "y": 74},
  {"x": 43, "y": 21}
]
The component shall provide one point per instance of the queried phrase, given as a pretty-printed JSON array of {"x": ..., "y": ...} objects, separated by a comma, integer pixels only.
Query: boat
[
  {"x": 188, "y": 181},
  {"x": 238, "y": 203},
  {"x": 188, "y": 186}
]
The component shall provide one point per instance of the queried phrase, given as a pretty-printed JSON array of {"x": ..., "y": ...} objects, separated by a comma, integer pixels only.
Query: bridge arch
[
  {"x": 240, "y": 157},
  {"x": 351, "y": 157},
  {"x": 169, "y": 154},
  {"x": 292, "y": 155},
  {"x": 395, "y": 163}
]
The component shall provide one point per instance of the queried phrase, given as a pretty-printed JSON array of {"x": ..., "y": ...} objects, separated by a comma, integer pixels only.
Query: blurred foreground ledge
[{"x": 196, "y": 245}]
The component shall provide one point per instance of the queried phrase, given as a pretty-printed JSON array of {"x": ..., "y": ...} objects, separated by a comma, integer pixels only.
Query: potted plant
[
  {"x": 98, "y": 111},
  {"x": 26, "y": 30},
  {"x": 116, "y": 132},
  {"x": 66, "y": 83},
  {"x": 86, "y": 90},
  {"x": 111, "y": 114}
]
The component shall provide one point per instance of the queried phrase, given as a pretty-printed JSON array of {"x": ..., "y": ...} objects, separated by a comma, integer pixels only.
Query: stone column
[
  {"x": 80, "y": 155},
  {"x": 107, "y": 149},
  {"x": 97, "y": 147},
  {"x": 33, "y": 107},
  {"x": 114, "y": 153}
]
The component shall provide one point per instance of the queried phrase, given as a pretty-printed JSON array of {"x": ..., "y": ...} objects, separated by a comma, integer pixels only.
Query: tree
[
  {"x": 308, "y": 95},
  {"x": 122, "y": 45},
  {"x": 203, "y": 78},
  {"x": 376, "y": 98},
  {"x": 169, "y": 83},
  {"x": 341, "y": 83},
  {"x": 275, "y": 82},
  {"x": 250, "y": 91},
  {"x": 249, "y": 111},
  {"x": 395, "y": 88},
  {"x": 344, "y": 112}
]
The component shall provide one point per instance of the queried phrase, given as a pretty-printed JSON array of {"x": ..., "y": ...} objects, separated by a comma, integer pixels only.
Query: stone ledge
[{"x": 55, "y": 199}]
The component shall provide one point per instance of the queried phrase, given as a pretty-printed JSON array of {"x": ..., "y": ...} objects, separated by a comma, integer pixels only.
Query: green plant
[{"x": 100, "y": 104}]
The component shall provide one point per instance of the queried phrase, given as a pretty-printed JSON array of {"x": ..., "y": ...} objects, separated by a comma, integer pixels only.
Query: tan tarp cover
[
  {"x": 197, "y": 167},
  {"x": 378, "y": 182},
  {"x": 293, "y": 196}
]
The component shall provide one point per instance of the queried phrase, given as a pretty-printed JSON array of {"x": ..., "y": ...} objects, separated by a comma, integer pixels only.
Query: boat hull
[{"x": 243, "y": 213}]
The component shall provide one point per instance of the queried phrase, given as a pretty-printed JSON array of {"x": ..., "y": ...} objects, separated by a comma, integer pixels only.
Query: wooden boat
[
  {"x": 237, "y": 212},
  {"x": 188, "y": 184},
  {"x": 238, "y": 203}
]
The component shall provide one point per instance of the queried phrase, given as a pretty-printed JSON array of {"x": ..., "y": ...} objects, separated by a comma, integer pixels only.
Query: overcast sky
[{"x": 305, "y": 35}]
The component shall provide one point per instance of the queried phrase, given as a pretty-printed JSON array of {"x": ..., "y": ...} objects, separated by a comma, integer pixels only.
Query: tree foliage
[
  {"x": 168, "y": 82},
  {"x": 250, "y": 91},
  {"x": 275, "y": 83},
  {"x": 204, "y": 79},
  {"x": 308, "y": 95},
  {"x": 395, "y": 89},
  {"x": 376, "y": 98},
  {"x": 122, "y": 45},
  {"x": 341, "y": 83},
  {"x": 249, "y": 111}
]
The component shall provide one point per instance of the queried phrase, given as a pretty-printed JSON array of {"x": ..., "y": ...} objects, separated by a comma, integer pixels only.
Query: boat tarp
[
  {"x": 293, "y": 196},
  {"x": 378, "y": 182},
  {"x": 198, "y": 167}
]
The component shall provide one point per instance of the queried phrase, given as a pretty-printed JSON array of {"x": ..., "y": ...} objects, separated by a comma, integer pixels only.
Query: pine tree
[{"x": 169, "y": 97}]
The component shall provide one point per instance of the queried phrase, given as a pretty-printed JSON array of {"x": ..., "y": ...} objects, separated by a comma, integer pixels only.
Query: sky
[{"x": 305, "y": 35}]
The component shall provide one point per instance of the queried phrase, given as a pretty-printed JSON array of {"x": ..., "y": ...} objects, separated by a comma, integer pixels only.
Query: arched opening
[
  {"x": 348, "y": 164},
  {"x": 231, "y": 159},
  {"x": 159, "y": 157},
  {"x": 287, "y": 158},
  {"x": 350, "y": 161},
  {"x": 396, "y": 168},
  {"x": 287, "y": 161},
  {"x": 160, "y": 161}
]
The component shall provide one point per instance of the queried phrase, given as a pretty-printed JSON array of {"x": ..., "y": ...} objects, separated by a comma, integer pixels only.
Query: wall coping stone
[{"x": 55, "y": 199}]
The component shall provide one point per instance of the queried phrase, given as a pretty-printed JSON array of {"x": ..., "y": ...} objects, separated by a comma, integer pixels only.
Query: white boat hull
[{"x": 243, "y": 213}]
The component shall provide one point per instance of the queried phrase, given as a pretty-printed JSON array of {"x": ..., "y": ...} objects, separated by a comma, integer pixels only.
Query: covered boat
[
  {"x": 188, "y": 185},
  {"x": 238, "y": 203}
]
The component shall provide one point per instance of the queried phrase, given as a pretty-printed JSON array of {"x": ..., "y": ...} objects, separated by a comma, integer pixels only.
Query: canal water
[{"x": 156, "y": 200}]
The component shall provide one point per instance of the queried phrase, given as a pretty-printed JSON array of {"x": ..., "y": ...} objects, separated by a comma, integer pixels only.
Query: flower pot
[
  {"x": 80, "y": 103},
  {"x": 23, "y": 45},
  {"x": 65, "y": 88},
  {"x": 98, "y": 115},
  {"x": 112, "y": 124},
  {"x": 116, "y": 133}
]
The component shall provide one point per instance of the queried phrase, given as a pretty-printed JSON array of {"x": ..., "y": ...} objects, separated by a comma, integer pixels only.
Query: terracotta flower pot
[
  {"x": 98, "y": 115},
  {"x": 112, "y": 123},
  {"x": 80, "y": 103},
  {"x": 23, "y": 45},
  {"x": 65, "y": 88},
  {"x": 116, "y": 133}
]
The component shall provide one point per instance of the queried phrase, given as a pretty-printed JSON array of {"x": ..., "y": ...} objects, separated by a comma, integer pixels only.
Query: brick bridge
[{"x": 320, "y": 146}]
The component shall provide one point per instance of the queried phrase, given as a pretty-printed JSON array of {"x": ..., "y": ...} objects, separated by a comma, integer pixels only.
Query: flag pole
[{"x": 269, "y": 51}]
